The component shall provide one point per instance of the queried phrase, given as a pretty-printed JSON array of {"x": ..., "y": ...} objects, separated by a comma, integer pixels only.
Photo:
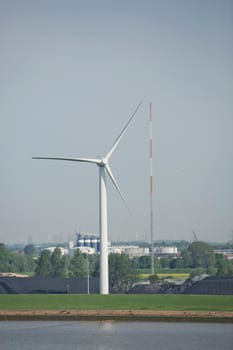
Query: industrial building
[
  {"x": 165, "y": 251},
  {"x": 90, "y": 244},
  {"x": 48, "y": 285},
  {"x": 86, "y": 241}
]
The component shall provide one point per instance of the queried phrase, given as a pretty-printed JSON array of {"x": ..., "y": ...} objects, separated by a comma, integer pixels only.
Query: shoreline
[{"x": 117, "y": 315}]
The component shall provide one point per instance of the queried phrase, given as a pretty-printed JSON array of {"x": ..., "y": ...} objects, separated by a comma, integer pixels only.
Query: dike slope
[{"x": 118, "y": 315}]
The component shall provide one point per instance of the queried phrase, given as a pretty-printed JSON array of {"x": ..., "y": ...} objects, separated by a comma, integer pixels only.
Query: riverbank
[{"x": 119, "y": 315}]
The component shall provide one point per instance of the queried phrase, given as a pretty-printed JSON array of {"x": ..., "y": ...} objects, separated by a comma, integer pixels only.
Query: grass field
[{"x": 116, "y": 302}]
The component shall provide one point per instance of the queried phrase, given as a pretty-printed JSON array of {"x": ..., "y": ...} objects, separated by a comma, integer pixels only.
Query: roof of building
[{"x": 14, "y": 285}]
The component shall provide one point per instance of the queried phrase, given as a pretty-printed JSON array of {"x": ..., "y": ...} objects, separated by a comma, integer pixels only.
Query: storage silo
[
  {"x": 80, "y": 240},
  {"x": 98, "y": 245},
  {"x": 168, "y": 250},
  {"x": 94, "y": 243},
  {"x": 87, "y": 242}
]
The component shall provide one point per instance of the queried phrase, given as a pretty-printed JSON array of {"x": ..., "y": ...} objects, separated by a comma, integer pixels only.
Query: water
[{"x": 46, "y": 335}]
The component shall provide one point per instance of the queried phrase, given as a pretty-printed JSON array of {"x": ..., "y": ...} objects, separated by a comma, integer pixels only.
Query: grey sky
[{"x": 71, "y": 74}]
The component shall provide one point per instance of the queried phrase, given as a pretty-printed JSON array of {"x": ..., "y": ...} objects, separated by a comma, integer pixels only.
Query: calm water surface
[{"x": 44, "y": 335}]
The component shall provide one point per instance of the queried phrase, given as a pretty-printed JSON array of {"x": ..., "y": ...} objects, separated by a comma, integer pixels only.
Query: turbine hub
[{"x": 104, "y": 162}]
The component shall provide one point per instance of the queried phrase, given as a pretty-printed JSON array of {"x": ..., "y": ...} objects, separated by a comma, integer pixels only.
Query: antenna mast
[
  {"x": 151, "y": 190},
  {"x": 195, "y": 238}
]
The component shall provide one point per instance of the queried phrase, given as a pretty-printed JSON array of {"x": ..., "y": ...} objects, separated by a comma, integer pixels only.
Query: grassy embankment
[{"x": 116, "y": 302}]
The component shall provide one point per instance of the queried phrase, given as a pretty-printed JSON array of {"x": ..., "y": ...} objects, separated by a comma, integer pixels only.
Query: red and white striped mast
[{"x": 151, "y": 188}]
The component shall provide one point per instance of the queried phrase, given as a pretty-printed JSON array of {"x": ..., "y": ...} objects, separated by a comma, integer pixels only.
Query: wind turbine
[{"x": 104, "y": 169}]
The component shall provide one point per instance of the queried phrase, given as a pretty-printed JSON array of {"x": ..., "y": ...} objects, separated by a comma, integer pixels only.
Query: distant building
[
  {"x": 116, "y": 249},
  {"x": 64, "y": 251},
  {"x": 132, "y": 251},
  {"x": 12, "y": 274},
  {"x": 227, "y": 253},
  {"x": 86, "y": 250},
  {"x": 135, "y": 251},
  {"x": 85, "y": 240},
  {"x": 165, "y": 251},
  {"x": 90, "y": 244}
]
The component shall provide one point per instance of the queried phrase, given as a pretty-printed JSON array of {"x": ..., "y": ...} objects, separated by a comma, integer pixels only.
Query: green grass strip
[{"x": 116, "y": 302}]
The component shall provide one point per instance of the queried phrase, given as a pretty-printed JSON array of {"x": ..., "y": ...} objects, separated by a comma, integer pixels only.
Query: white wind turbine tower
[{"x": 104, "y": 168}]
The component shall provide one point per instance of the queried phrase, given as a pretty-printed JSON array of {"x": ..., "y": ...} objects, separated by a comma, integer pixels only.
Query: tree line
[
  {"x": 198, "y": 257},
  {"x": 15, "y": 262},
  {"x": 121, "y": 270}
]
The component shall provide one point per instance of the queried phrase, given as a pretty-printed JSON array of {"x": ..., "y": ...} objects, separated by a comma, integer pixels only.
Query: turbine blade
[
  {"x": 86, "y": 160},
  {"x": 115, "y": 184},
  {"x": 122, "y": 133}
]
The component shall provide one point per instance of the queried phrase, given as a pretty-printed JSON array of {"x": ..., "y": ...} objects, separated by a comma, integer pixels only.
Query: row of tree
[
  {"x": 15, "y": 262},
  {"x": 121, "y": 270},
  {"x": 199, "y": 257}
]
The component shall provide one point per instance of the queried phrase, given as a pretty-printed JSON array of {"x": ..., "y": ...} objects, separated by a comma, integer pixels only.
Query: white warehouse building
[{"x": 160, "y": 251}]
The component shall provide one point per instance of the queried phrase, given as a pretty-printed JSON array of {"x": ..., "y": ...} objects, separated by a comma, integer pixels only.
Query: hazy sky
[{"x": 72, "y": 72}]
